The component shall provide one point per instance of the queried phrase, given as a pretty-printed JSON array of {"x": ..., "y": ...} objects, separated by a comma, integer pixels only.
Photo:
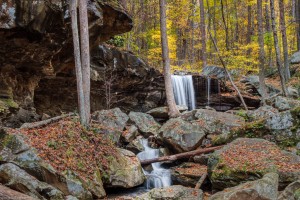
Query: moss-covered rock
[{"x": 249, "y": 159}]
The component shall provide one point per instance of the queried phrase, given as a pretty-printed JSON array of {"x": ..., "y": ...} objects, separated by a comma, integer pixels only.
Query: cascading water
[
  {"x": 208, "y": 90},
  {"x": 184, "y": 92},
  {"x": 159, "y": 177}
]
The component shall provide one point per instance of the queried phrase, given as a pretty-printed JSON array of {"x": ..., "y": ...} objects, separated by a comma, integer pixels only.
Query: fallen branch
[
  {"x": 44, "y": 122},
  {"x": 201, "y": 180},
  {"x": 181, "y": 155}
]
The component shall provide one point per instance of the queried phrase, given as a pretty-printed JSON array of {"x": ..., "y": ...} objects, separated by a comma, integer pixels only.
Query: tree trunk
[
  {"x": 173, "y": 111},
  {"x": 225, "y": 26},
  {"x": 249, "y": 28},
  {"x": 284, "y": 40},
  {"x": 85, "y": 56},
  {"x": 180, "y": 155},
  {"x": 277, "y": 50},
  {"x": 262, "y": 84},
  {"x": 77, "y": 58},
  {"x": 297, "y": 13},
  {"x": 203, "y": 33},
  {"x": 201, "y": 180}
]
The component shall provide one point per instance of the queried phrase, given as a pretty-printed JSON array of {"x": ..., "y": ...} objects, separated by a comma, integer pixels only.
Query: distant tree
[
  {"x": 277, "y": 50},
  {"x": 262, "y": 84},
  {"x": 173, "y": 110},
  {"x": 203, "y": 33},
  {"x": 82, "y": 58}
]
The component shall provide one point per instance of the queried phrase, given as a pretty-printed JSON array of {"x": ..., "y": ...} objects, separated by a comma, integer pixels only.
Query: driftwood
[
  {"x": 181, "y": 155},
  {"x": 201, "y": 180},
  {"x": 45, "y": 122}
]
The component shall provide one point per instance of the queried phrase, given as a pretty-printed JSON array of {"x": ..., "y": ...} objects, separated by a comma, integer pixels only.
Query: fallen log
[
  {"x": 44, "y": 122},
  {"x": 201, "y": 180},
  {"x": 181, "y": 155}
]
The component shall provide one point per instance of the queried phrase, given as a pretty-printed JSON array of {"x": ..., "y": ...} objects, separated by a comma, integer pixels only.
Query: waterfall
[
  {"x": 184, "y": 92},
  {"x": 208, "y": 90},
  {"x": 159, "y": 177}
]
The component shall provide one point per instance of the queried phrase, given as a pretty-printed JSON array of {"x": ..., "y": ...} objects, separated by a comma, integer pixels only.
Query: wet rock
[
  {"x": 145, "y": 123},
  {"x": 181, "y": 135},
  {"x": 262, "y": 189},
  {"x": 17, "y": 179},
  {"x": 187, "y": 174},
  {"x": 125, "y": 171},
  {"x": 136, "y": 145},
  {"x": 291, "y": 192},
  {"x": 162, "y": 112},
  {"x": 112, "y": 122},
  {"x": 172, "y": 193},
  {"x": 249, "y": 159}
]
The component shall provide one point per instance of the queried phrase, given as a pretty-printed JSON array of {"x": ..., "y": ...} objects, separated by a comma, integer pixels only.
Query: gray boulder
[
  {"x": 291, "y": 192},
  {"x": 262, "y": 189},
  {"x": 145, "y": 123},
  {"x": 162, "y": 112},
  {"x": 125, "y": 171},
  {"x": 181, "y": 135},
  {"x": 249, "y": 159},
  {"x": 174, "y": 192},
  {"x": 130, "y": 133},
  {"x": 295, "y": 59},
  {"x": 112, "y": 121}
]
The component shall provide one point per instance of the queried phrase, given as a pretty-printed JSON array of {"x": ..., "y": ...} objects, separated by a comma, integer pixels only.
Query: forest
[{"x": 150, "y": 100}]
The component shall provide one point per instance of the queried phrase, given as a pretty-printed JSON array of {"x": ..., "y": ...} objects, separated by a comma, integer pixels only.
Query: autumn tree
[
  {"x": 173, "y": 110},
  {"x": 82, "y": 57}
]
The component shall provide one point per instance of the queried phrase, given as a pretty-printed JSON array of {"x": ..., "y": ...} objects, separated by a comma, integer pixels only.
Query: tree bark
[
  {"x": 225, "y": 26},
  {"x": 77, "y": 58},
  {"x": 277, "y": 50},
  {"x": 203, "y": 33},
  {"x": 201, "y": 180},
  {"x": 297, "y": 13},
  {"x": 180, "y": 155},
  {"x": 173, "y": 111},
  {"x": 85, "y": 57},
  {"x": 262, "y": 84},
  {"x": 284, "y": 40}
]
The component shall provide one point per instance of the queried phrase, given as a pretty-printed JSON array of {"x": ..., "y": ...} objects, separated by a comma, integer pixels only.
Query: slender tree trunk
[
  {"x": 262, "y": 84},
  {"x": 268, "y": 29},
  {"x": 173, "y": 111},
  {"x": 297, "y": 13},
  {"x": 284, "y": 40},
  {"x": 249, "y": 27},
  {"x": 203, "y": 33},
  {"x": 85, "y": 56},
  {"x": 277, "y": 50},
  {"x": 225, "y": 26},
  {"x": 77, "y": 57}
]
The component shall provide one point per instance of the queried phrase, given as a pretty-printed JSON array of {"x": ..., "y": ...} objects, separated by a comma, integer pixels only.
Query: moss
[
  {"x": 6, "y": 140},
  {"x": 297, "y": 194}
]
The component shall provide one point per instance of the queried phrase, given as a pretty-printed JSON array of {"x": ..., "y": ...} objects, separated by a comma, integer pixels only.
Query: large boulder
[
  {"x": 113, "y": 122},
  {"x": 172, "y": 193},
  {"x": 181, "y": 135},
  {"x": 262, "y": 189},
  {"x": 291, "y": 192},
  {"x": 187, "y": 174},
  {"x": 124, "y": 171},
  {"x": 145, "y": 123},
  {"x": 295, "y": 59},
  {"x": 249, "y": 159},
  {"x": 9, "y": 194}
]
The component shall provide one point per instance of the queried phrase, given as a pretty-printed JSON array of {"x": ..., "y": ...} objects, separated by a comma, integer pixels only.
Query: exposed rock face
[
  {"x": 295, "y": 59},
  {"x": 249, "y": 159},
  {"x": 172, "y": 193},
  {"x": 262, "y": 189},
  {"x": 291, "y": 192},
  {"x": 162, "y": 112},
  {"x": 36, "y": 45},
  {"x": 145, "y": 123}
]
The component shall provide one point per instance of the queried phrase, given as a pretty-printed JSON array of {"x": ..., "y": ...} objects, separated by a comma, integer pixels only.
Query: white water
[
  {"x": 184, "y": 92},
  {"x": 159, "y": 177},
  {"x": 208, "y": 90}
]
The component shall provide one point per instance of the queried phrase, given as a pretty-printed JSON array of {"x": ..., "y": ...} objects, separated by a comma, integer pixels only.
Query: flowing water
[
  {"x": 159, "y": 177},
  {"x": 184, "y": 92},
  {"x": 208, "y": 90}
]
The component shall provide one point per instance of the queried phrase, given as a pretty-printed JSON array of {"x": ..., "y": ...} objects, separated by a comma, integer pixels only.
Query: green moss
[{"x": 297, "y": 194}]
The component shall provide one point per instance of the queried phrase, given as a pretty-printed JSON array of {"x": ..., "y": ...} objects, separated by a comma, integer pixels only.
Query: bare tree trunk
[
  {"x": 85, "y": 56},
  {"x": 276, "y": 44},
  {"x": 77, "y": 57},
  {"x": 297, "y": 13},
  {"x": 268, "y": 29},
  {"x": 225, "y": 26},
  {"x": 227, "y": 72},
  {"x": 284, "y": 40},
  {"x": 173, "y": 111},
  {"x": 262, "y": 84},
  {"x": 203, "y": 33}
]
